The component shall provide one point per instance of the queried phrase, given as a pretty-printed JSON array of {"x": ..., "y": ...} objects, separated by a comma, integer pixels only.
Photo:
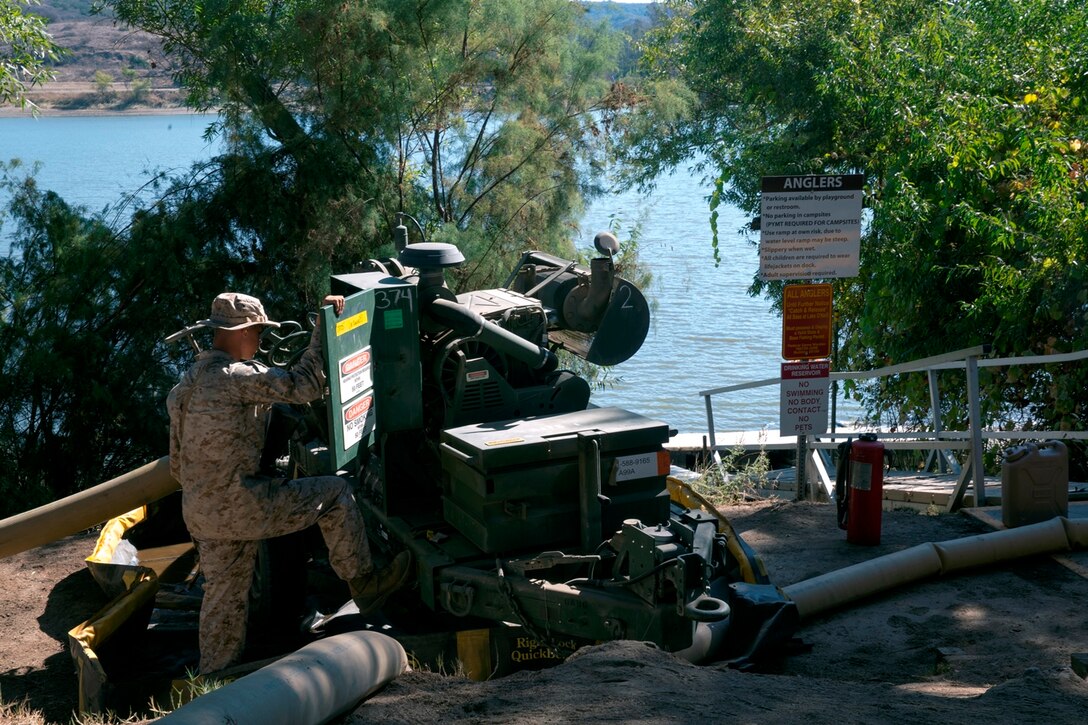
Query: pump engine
[{"x": 475, "y": 450}]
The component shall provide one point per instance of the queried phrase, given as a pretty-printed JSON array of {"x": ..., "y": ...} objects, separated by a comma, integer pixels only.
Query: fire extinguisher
[{"x": 859, "y": 489}]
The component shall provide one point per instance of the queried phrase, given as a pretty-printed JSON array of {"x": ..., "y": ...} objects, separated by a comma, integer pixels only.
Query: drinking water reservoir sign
[
  {"x": 803, "y": 401},
  {"x": 810, "y": 226}
]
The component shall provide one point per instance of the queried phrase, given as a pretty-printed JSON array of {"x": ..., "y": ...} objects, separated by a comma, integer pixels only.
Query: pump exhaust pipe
[{"x": 468, "y": 323}]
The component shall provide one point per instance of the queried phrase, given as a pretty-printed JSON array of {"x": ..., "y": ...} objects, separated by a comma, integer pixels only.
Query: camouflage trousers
[{"x": 228, "y": 563}]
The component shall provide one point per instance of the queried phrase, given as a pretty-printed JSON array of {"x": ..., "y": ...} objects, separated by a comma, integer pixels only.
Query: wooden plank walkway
[
  {"x": 922, "y": 490},
  {"x": 752, "y": 441},
  {"x": 910, "y": 489},
  {"x": 902, "y": 489}
]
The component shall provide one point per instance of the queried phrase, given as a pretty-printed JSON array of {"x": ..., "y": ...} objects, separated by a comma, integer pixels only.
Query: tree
[
  {"x": 84, "y": 309},
  {"x": 479, "y": 117},
  {"x": 26, "y": 48},
  {"x": 141, "y": 88},
  {"x": 103, "y": 82},
  {"x": 482, "y": 118},
  {"x": 967, "y": 120}
]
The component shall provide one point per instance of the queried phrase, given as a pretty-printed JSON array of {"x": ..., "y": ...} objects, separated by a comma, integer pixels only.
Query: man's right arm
[{"x": 303, "y": 383}]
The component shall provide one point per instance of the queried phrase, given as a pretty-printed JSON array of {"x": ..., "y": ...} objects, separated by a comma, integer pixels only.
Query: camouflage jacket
[{"x": 218, "y": 413}]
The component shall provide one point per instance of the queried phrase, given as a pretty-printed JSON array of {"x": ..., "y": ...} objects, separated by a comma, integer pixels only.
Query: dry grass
[
  {"x": 19, "y": 713},
  {"x": 738, "y": 478}
]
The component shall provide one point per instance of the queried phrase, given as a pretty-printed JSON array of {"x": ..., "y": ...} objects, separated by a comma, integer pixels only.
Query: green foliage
[
  {"x": 103, "y": 81},
  {"x": 141, "y": 87},
  {"x": 83, "y": 312},
  {"x": 26, "y": 48},
  {"x": 479, "y": 118},
  {"x": 186, "y": 690},
  {"x": 630, "y": 19},
  {"x": 739, "y": 477},
  {"x": 968, "y": 120}
]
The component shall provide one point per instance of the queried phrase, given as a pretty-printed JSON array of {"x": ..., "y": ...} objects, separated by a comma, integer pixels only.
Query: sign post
[
  {"x": 810, "y": 228},
  {"x": 803, "y": 408}
]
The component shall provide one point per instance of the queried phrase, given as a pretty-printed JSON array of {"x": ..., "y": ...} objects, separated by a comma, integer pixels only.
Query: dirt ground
[{"x": 994, "y": 645}]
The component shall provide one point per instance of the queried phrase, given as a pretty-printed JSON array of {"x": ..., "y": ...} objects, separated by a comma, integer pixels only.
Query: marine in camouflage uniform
[{"x": 218, "y": 415}]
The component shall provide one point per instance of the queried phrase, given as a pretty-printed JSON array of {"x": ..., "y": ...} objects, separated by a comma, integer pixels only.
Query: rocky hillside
[{"x": 104, "y": 67}]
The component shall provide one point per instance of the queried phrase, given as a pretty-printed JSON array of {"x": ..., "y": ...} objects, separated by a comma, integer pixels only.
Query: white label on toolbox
[
  {"x": 358, "y": 420},
  {"x": 642, "y": 465}
]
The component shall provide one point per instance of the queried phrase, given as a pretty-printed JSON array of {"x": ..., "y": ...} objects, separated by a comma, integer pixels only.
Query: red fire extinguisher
[{"x": 859, "y": 489}]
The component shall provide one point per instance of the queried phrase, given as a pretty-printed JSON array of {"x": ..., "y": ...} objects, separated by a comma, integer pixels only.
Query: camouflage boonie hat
[{"x": 234, "y": 310}]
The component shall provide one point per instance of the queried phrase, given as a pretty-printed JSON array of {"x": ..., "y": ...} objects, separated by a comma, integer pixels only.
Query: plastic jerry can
[{"x": 1034, "y": 483}]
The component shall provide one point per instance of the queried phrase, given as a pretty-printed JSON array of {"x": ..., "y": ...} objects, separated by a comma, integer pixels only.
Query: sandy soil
[{"x": 1007, "y": 635}]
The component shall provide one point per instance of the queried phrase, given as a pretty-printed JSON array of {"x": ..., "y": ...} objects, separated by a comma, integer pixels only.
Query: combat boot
[{"x": 370, "y": 590}]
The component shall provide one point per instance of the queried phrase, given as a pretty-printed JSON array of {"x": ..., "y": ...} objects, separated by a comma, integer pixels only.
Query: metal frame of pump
[{"x": 648, "y": 581}]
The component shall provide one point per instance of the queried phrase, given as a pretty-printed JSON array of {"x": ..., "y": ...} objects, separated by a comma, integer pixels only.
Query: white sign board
[
  {"x": 355, "y": 374},
  {"x": 803, "y": 398},
  {"x": 641, "y": 465},
  {"x": 810, "y": 226},
  {"x": 358, "y": 420}
]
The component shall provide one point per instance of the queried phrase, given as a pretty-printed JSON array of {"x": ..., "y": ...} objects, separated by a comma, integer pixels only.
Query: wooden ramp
[
  {"x": 909, "y": 489},
  {"x": 923, "y": 490},
  {"x": 902, "y": 489}
]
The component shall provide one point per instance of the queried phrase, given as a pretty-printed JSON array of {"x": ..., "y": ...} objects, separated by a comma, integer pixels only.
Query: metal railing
[{"x": 938, "y": 441}]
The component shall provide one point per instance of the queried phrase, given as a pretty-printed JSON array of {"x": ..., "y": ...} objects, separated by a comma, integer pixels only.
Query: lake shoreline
[
  {"x": 79, "y": 98},
  {"x": 52, "y": 112}
]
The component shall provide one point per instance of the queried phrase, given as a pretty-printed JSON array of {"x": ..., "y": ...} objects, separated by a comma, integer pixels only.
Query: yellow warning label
[{"x": 348, "y": 324}]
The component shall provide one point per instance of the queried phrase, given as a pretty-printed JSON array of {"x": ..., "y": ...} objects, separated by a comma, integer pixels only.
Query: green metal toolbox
[{"x": 523, "y": 484}]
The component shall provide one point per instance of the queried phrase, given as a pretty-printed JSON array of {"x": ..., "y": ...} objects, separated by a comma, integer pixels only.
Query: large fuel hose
[
  {"x": 311, "y": 685},
  {"x": 87, "y": 508},
  {"x": 469, "y": 323},
  {"x": 844, "y": 586}
]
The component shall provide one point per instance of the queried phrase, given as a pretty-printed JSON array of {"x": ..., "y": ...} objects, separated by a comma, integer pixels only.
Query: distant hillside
[
  {"x": 631, "y": 18},
  {"x": 93, "y": 43},
  {"x": 110, "y": 68},
  {"x": 104, "y": 67}
]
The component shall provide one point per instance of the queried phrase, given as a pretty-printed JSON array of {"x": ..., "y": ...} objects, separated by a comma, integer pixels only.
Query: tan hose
[
  {"x": 837, "y": 588},
  {"x": 82, "y": 510},
  {"x": 312, "y": 685}
]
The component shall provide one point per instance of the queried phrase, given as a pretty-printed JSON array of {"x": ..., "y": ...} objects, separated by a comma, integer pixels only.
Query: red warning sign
[{"x": 806, "y": 321}]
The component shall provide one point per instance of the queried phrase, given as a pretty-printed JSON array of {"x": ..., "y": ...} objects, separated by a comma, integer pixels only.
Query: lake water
[
  {"x": 706, "y": 331},
  {"x": 95, "y": 160}
]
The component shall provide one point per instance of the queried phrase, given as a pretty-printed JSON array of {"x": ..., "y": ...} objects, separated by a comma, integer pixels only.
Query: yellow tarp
[{"x": 133, "y": 587}]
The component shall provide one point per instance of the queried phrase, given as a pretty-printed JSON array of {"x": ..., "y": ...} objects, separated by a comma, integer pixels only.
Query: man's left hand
[{"x": 337, "y": 302}]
